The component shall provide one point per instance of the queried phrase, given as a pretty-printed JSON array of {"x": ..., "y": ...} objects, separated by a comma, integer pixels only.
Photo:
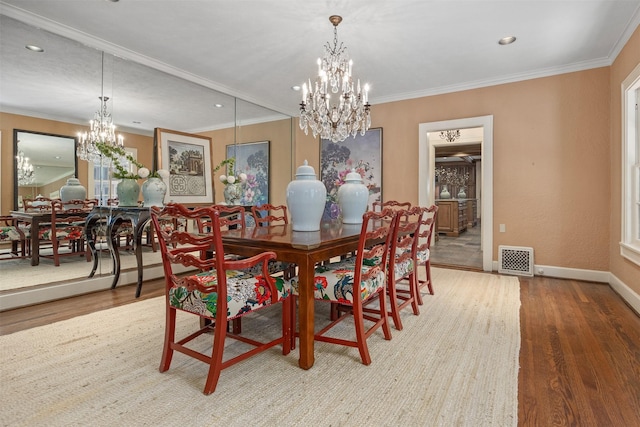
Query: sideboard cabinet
[{"x": 452, "y": 216}]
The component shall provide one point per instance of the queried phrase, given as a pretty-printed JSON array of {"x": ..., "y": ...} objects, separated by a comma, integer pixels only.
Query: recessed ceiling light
[
  {"x": 218, "y": 105},
  {"x": 296, "y": 88},
  {"x": 34, "y": 48},
  {"x": 507, "y": 40},
  {"x": 136, "y": 122},
  {"x": 58, "y": 157}
]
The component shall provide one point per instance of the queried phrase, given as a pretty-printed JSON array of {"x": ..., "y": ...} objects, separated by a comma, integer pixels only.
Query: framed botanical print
[
  {"x": 362, "y": 153},
  {"x": 187, "y": 157},
  {"x": 252, "y": 159}
]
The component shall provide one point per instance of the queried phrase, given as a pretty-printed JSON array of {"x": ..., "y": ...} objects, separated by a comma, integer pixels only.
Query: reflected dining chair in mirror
[
  {"x": 270, "y": 215},
  {"x": 219, "y": 291},
  {"x": 355, "y": 282},
  {"x": 64, "y": 234},
  {"x": 12, "y": 239}
]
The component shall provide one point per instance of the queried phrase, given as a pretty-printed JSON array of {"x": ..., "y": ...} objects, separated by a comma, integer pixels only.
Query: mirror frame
[{"x": 15, "y": 153}]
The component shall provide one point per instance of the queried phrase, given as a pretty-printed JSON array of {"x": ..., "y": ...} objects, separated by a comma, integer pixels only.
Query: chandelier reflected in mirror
[
  {"x": 101, "y": 130},
  {"x": 333, "y": 105},
  {"x": 450, "y": 135},
  {"x": 24, "y": 168}
]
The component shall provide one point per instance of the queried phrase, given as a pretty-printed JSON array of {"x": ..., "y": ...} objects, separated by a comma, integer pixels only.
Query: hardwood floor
[{"x": 579, "y": 356}]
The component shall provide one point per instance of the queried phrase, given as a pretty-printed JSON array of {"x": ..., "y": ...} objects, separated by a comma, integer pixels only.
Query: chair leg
[
  {"x": 361, "y": 337},
  {"x": 219, "y": 335},
  {"x": 393, "y": 302},
  {"x": 56, "y": 258},
  {"x": 428, "y": 267},
  {"x": 169, "y": 339}
]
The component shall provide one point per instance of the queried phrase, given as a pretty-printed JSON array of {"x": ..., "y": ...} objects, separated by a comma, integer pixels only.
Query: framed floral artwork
[
  {"x": 362, "y": 153},
  {"x": 252, "y": 159},
  {"x": 187, "y": 157}
]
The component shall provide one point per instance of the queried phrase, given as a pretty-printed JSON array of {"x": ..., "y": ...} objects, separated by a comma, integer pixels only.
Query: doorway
[
  {"x": 426, "y": 183},
  {"x": 457, "y": 241}
]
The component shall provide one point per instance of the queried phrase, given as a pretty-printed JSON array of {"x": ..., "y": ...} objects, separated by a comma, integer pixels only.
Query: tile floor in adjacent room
[{"x": 464, "y": 250}]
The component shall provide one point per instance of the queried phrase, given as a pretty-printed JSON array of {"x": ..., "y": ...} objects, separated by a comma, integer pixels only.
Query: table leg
[
  {"x": 306, "y": 303},
  {"x": 35, "y": 241},
  {"x": 90, "y": 232},
  {"x": 139, "y": 228},
  {"x": 112, "y": 230}
]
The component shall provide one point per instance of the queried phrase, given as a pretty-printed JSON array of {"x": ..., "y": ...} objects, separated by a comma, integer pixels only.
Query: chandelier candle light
[
  {"x": 24, "y": 168},
  {"x": 350, "y": 111},
  {"x": 101, "y": 130}
]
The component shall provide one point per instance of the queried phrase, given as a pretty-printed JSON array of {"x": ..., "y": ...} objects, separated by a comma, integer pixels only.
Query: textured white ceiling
[{"x": 257, "y": 50}]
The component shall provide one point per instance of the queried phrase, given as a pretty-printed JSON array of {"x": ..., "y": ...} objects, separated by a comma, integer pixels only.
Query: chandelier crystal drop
[
  {"x": 24, "y": 169},
  {"x": 333, "y": 106},
  {"x": 450, "y": 135},
  {"x": 101, "y": 131}
]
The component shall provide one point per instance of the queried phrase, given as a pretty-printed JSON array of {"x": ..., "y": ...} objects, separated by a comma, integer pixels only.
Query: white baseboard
[
  {"x": 625, "y": 292},
  {"x": 35, "y": 295}
]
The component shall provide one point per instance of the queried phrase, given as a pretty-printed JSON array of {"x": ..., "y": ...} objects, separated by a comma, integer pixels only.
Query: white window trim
[
  {"x": 630, "y": 242},
  {"x": 113, "y": 183}
]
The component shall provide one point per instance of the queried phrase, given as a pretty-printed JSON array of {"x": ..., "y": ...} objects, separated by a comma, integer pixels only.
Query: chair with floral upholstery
[
  {"x": 401, "y": 283},
  {"x": 423, "y": 248},
  {"x": 12, "y": 234},
  {"x": 355, "y": 281},
  {"x": 66, "y": 229},
  {"x": 221, "y": 291}
]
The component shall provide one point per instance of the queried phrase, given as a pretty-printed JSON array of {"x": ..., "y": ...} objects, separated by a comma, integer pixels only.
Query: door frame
[{"x": 426, "y": 178}]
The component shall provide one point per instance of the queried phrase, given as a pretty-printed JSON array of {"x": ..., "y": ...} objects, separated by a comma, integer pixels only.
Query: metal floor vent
[{"x": 515, "y": 260}]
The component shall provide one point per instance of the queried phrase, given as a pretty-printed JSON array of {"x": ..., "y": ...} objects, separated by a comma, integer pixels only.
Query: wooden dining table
[{"x": 304, "y": 248}]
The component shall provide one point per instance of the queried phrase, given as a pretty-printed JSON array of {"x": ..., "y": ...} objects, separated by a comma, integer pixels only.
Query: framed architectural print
[
  {"x": 362, "y": 153},
  {"x": 252, "y": 159},
  {"x": 187, "y": 157}
]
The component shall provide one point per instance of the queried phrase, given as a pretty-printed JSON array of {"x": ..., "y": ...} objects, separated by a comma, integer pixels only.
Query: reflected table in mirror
[
  {"x": 35, "y": 220},
  {"x": 112, "y": 218},
  {"x": 304, "y": 248}
]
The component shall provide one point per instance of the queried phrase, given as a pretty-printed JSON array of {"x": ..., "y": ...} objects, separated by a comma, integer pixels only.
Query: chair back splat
[
  {"x": 423, "y": 248},
  {"x": 274, "y": 215},
  {"x": 402, "y": 282},
  {"x": 219, "y": 290}
]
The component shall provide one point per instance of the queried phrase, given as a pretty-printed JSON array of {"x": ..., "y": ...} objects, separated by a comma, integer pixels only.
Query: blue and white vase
[
  {"x": 153, "y": 192},
  {"x": 353, "y": 197},
  {"x": 72, "y": 190},
  {"x": 233, "y": 193},
  {"x": 128, "y": 191},
  {"x": 306, "y": 197}
]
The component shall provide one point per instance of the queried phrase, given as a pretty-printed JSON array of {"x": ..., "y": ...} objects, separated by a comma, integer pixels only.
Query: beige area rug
[
  {"x": 456, "y": 364},
  {"x": 19, "y": 273}
]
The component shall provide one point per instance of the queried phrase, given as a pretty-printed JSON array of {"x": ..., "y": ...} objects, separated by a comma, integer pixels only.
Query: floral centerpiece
[{"x": 233, "y": 183}]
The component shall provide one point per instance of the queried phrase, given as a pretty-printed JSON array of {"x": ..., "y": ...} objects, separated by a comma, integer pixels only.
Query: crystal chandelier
[
  {"x": 450, "y": 135},
  {"x": 24, "y": 168},
  {"x": 101, "y": 130},
  {"x": 350, "y": 110}
]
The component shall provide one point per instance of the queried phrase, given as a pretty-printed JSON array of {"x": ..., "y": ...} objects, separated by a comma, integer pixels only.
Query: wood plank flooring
[{"x": 579, "y": 358}]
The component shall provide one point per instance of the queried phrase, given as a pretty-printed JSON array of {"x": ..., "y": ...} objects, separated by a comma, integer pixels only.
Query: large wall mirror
[
  {"x": 65, "y": 98},
  {"x": 43, "y": 163}
]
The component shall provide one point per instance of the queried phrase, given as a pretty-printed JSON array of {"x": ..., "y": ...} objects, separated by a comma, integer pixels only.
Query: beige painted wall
[
  {"x": 627, "y": 60},
  {"x": 551, "y": 160},
  {"x": 9, "y": 122}
]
